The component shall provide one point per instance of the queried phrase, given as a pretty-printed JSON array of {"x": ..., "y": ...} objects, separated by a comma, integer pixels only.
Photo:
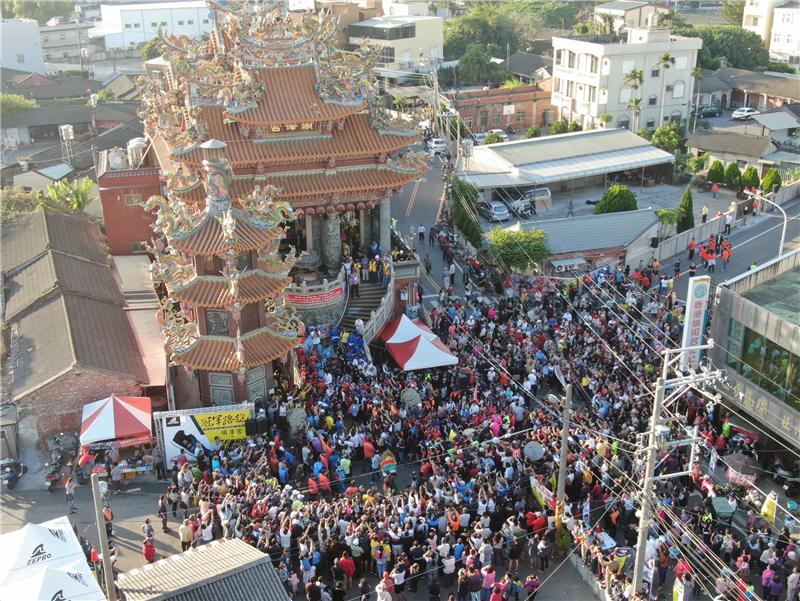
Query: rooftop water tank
[{"x": 136, "y": 150}]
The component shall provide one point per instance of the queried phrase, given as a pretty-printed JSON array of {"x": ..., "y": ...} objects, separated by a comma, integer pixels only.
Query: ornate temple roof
[
  {"x": 219, "y": 235},
  {"x": 357, "y": 139},
  {"x": 216, "y": 291},
  {"x": 218, "y": 353}
]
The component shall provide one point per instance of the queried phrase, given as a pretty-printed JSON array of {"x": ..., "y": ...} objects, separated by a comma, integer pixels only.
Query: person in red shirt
[
  {"x": 313, "y": 488},
  {"x": 324, "y": 484},
  {"x": 349, "y": 568},
  {"x": 692, "y": 246},
  {"x": 149, "y": 550}
]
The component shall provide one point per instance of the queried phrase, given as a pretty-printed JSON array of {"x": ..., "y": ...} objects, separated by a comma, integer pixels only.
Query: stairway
[{"x": 370, "y": 296}]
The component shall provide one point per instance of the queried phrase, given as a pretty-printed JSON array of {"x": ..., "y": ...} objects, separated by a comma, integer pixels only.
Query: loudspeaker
[
  {"x": 251, "y": 427},
  {"x": 653, "y": 242}
]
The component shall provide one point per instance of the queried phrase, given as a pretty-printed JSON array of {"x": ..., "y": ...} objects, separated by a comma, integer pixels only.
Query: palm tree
[
  {"x": 665, "y": 62},
  {"x": 634, "y": 79},
  {"x": 635, "y": 107},
  {"x": 605, "y": 25},
  {"x": 697, "y": 74}
]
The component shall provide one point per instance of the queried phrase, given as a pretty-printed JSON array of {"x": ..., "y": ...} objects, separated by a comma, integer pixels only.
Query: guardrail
[
  {"x": 381, "y": 315},
  {"x": 325, "y": 286}
]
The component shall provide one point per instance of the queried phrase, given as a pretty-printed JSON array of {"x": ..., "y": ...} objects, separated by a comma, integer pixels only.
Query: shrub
[
  {"x": 733, "y": 177},
  {"x": 750, "y": 178},
  {"x": 464, "y": 197},
  {"x": 617, "y": 198},
  {"x": 686, "y": 220},
  {"x": 559, "y": 127},
  {"x": 492, "y": 138},
  {"x": 716, "y": 173},
  {"x": 521, "y": 249},
  {"x": 534, "y": 131},
  {"x": 772, "y": 181}
]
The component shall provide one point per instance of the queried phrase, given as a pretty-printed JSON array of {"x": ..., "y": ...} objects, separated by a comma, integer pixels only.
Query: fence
[{"x": 326, "y": 286}]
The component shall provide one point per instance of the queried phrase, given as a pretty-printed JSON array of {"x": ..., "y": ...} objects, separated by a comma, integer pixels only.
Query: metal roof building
[
  {"x": 560, "y": 158},
  {"x": 223, "y": 569}
]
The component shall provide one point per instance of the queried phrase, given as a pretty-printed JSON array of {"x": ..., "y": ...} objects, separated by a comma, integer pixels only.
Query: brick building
[
  {"x": 69, "y": 340},
  {"x": 500, "y": 108}
]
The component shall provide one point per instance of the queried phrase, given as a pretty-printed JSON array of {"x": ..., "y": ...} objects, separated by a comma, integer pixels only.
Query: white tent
[
  {"x": 63, "y": 581},
  {"x": 39, "y": 555}
]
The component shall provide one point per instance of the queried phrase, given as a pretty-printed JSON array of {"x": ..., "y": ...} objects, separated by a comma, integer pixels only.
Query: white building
[
  {"x": 589, "y": 73},
  {"x": 60, "y": 43},
  {"x": 406, "y": 8},
  {"x": 758, "y": 17},
  {"x": 784, "y": 45},
  {"x": 21, "y": 47},
  {"x": 410, "y": 43},
  {"x": 131, "y": 25},
  {"x": 628, "y": 13}
]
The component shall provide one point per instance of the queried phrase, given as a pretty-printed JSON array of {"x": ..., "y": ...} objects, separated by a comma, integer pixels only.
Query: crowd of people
[{"x": 450, "y": 489}]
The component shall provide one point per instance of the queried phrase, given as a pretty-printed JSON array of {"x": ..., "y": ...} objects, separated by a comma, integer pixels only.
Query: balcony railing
[{"x": 381, "y": 315}]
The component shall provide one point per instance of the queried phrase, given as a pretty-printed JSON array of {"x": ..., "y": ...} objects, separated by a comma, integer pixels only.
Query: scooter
[
  {"x": 12, "y": 470},
  {"x": 52, "y": 476},
  {"x": 784, "y": 475}
]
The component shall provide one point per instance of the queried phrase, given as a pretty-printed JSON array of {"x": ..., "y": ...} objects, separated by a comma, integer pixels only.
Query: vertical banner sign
[{"x": 694, "y": 325}]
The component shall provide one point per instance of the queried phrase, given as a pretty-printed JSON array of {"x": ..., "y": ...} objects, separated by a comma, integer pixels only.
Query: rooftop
[
  {"x": 395, "y": 21},
  {"x": 527, "y": 63},
  {"x": 593, "y": 232},
  {"x": 728, "y": 142},
  {"x": 223, "y": 569},
  {"x": 56, "y": 172},
  {"x": 621, "y": 5},
  {"x": 780, "y": 296}
]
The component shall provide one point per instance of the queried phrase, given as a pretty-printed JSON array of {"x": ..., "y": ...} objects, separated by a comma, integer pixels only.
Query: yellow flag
[{"x": 769, "y": 508}]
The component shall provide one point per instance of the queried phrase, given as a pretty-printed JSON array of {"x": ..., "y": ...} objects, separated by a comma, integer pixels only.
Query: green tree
[
  {"x": 686, "y": 208},
  {"x": 750, "y": 178},
  {"x": 672, "y": 20},
  {"x": 475, "y": 67},
  {"x": 40, "y": 10},
  {"x": 733, "y": 177},
  {"x": 716, "y": 172},
  {"x": 634, "y": 79},
  {"x": 463, "y": 197},
  {"x": 772, "y": 181},
  {"x": 665, "y": 62},
  {"x": 605, "y": 119},
  {"x": 400, "y": 103},
  {"x": 105, "y": 94},
  {"x": 617, "y": 198},
  {"x": 666, "y": 137},
  {"x": 743, "y": 49},
  {"x": 447, "y": 76},
  {"x": 780, "y": 68},
  {"x": 483, "y": 25},
  {"x": 72, "y": 195},
  {"x": 733, "y": 11},
  {"x": 605, "y": 25},
  {"x": 559, "y": 127},
  {"x": 534, "y": 131},
  {"x": 519, "y": 248},
  {"x": 12, "y": 105},
  {"x": 574, "y": 126},
  {"x": 492, "y": 138},
  {"x": 151, "y": 49},
  {"x": 556, "y": 14},
  {"x": 513, "y": 82},
  {"x": 698, "y": 163},
  {"x": 16, "y": 202}
]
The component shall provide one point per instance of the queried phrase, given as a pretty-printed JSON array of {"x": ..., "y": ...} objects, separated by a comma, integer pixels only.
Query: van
[{"x": 541, "y": 198}]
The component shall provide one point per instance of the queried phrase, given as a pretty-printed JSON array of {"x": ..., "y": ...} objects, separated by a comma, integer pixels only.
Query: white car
[
  {"x": 479, "y": 138},
  {"x": 503, "y": 135},
  {"x": 744, "y": 113},
  {"x": 493, "y": 211},
  {"x": 437, "y": 146}
]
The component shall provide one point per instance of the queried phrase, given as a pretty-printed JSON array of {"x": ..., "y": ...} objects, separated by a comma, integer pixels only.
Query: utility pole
[
  {"x": 108, "y": 570},
  {"x": 436, "y": 128},
  {"x": 644, "y": 504},
  {"x": 78, "y": 26},
  {"x": 562, "y": 456}
]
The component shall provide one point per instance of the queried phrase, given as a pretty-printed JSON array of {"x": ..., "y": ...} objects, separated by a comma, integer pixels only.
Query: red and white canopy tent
[
  {"x": 125, "y": 419},
  {"x": 413, "y": 346}
]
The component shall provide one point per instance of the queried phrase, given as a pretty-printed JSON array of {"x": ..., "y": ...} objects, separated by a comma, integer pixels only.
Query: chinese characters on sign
[
  {"x": 315, "y": 299},
  {"x": 694, "y": 324}
]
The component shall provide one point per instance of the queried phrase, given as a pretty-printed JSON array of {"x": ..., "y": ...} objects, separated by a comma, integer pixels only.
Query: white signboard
[
  {"x": 509, "y": 109},
  {"x": 694, "y": 325}
]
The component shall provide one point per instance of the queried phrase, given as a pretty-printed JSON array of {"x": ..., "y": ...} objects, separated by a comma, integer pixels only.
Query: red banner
[{"x": 320, "y": 298}]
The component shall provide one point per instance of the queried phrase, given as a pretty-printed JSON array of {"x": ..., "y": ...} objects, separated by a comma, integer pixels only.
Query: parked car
[
  {"x": 525, "y": 205},
  {"x": 493, "y": 211},
  {"x": 503, "y": 135},
  {"x": 437, "y": 146},
  {"x": 744, "y": 113},
  {"x": 479, "y": 138},
  {"x": 708, "y": 111}
]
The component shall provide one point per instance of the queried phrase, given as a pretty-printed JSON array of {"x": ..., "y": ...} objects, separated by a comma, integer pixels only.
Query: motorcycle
[
  {"x": 52, "y": 476},
  {"x": 12, "y": 470}
]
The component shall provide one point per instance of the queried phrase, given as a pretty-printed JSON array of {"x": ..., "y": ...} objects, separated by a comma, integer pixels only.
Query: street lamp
[{"x": 785, "y": 217}]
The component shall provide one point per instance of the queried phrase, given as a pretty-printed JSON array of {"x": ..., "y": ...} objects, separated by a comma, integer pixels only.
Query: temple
[{"x": 274, "y": 153}]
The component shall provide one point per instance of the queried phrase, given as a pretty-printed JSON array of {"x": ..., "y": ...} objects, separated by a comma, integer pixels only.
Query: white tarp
[{"x": 63, "y": 581}]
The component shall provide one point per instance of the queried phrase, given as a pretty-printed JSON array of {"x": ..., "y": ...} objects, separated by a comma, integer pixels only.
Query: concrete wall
[
  {"x": 127, "y": 224},
  {"x": 21, "y": 47}
]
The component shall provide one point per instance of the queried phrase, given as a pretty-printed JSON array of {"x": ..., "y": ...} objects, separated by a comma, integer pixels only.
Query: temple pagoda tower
[{"x": 295, "y": 113}]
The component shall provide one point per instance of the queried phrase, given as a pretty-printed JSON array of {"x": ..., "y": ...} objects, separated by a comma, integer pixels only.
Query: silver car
[{"x": 493, "y": 211}]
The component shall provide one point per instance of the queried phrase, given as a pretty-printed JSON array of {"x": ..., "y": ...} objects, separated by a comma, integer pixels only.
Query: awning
[
  {"x": 125, "y": 419},
  {"x": 413, "y": 346},
  {"x": 46, "y": 561}
]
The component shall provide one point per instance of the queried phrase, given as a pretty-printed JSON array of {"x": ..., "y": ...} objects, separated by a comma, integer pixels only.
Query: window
[
  {"x": 20, "y": 58},
  {"x": 776, "y": 38},
  {"x": 651, "y": 123},
  {"x": 571, "y": 60},
  {"x": 136, "y": 25},
  {"x": 557, "y": 84},
  {"x": 559, "y": 57},
  {"x": 138, "y": 247},
  {"x": 217, "y": 323},
  {"x": 593, "y": 64},
  {"x": 244, "y": 261},
  {"x": 655, "y": 72},
  {"x": 788, "y": 39},
  {"x": 205, "y": 21},
  {"x": 190, "y": 22},
  {"x": 65, "y": 55},
  {"x": 127, "y": 25},
  {"x": 154, "y": 24},
  {"x": 765, "y": 363},
  {"x": 592, "y": 94},
  {"x": 180, "y": 22},
  {"x": 520, "y": 116},
  {"x": 45, "y": 40},
  {"x": 221, "y": 388},
  {"x": 741, "y": 164},
  {"x": 496, "y": 119},
  {"x": 652, "y": 100},
  {"x": 628, "y": 66},
  {"x": 468, "y": 122},
  {"x": 163, "y": 23},
  {"x": 256, "y": 379},
  {"x": 48, "y": 56},
  {"x": 624, "y": 122},
  {"x": 571, "y": 89},
  {"x": 133, "y": 199},
  {"x": 624, "y": 95},
  {"x": 755, "y": 21},
  {"x": 678, "y": 89}
]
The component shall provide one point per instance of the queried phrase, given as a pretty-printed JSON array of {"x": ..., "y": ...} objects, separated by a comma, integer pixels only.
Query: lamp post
[
  {"x": 785, "y": 218},
  {"x": 78, "y": 27}
]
